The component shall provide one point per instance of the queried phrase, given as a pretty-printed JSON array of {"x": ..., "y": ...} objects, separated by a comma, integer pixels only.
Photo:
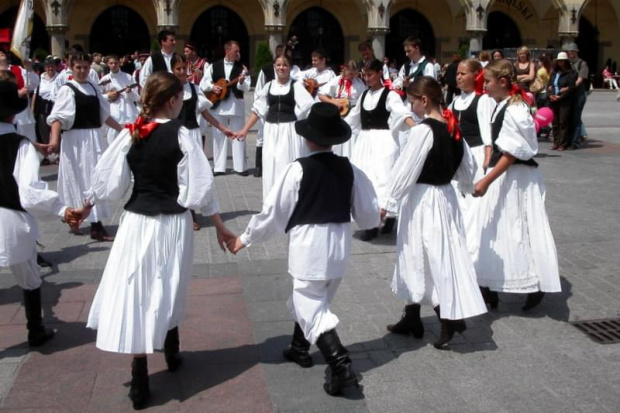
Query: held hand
[
  {"x": 240, "y": 135},
  {"x": 52, "y": 147},
  {"x": 217, "y": 90},
  {"x": 224, "y": 237},
  {"x": 383, "y": 214},
  {"x": 480, "y": 188},
  {"x": 241, "y": 79},
  {"x": 41, "y": 148},
  {"x": 228, "y": 133},
  {"x": 236, "y": 245},
  {"x": 73, "y": 218}
]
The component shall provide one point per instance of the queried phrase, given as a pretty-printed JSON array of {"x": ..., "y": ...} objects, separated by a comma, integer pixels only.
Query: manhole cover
[{"x": 603, "y": 331}]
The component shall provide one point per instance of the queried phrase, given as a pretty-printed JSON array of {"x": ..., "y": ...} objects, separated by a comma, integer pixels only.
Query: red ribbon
[
  {"x": 453, "y": 124},
  {"x": 346, "y": 85},
  {"x": 70, "y": 77},
  {"x": 143, "y": 127},
  {"x": 515, "y": 89},
  {"x": 479, "y": 83}
]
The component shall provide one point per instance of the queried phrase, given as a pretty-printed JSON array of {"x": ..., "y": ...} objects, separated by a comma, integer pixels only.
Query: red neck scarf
[
  {"x": 346, "y": 85},
  {"x": 143, "y": 127}
]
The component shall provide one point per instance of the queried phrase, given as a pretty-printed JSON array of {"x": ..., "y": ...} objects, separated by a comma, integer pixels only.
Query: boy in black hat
[
  {"x": 23, "y": 193},
  {"x": 313, "y": 201}
]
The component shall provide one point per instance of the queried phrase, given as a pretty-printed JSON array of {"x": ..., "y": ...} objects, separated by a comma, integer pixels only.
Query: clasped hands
[
  {"x": 75, "y": 216},
  {"x": 229, "y": 241}
]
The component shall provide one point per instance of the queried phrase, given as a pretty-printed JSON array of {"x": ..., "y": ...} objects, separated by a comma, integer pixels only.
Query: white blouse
[
  {"x": 484, "y": 111},
  {"x": 393, "y": 104},
  {"x": 112, "y": 175},
  {"x": 64, "y": 107},
  {"x": 303, "y": 99},
  {"x": 518, "y": 134}
]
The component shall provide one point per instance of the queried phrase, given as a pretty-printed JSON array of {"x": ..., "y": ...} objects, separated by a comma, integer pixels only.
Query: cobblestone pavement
[{"x": 237, "y": 323}]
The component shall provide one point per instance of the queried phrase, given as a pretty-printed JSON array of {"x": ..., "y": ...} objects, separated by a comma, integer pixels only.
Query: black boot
[
  {"x": 139, "y": 392},
  {"x": 43, "y": 263},
  {"x": 369, "y": 234},
  {"x": 533, "y": 299},
  {"x": 258, "y": 168},
  {"x": 342, "y": 375},
  {"x": 37, "y": 333},
  {"x": 297, "y": 351},
  {"x": 171, "y": 350},
  {"x": 490, "y": 297},
  {"x": 389, "y": 226},
  {"x": 409, "y": 323},
  {"x": 448, "y": 328}
]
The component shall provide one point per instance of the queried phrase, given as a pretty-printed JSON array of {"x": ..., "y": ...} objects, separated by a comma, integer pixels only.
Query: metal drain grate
[{"x": 603, "y": 331}]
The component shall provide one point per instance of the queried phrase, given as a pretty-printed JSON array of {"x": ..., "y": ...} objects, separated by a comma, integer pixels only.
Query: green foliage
[
  {"x": 155, "y": 45},
  {"x": 263, "y": 56},
  {"x": 463, "y": 50}
]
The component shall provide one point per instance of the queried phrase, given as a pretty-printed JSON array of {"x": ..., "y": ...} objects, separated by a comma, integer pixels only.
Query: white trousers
[
  {"x": 309, "y": 306},
  {"x": 259, "y": 133},
  {"x": 220, "y": 145},
  {"x": 27, "y": 274}
]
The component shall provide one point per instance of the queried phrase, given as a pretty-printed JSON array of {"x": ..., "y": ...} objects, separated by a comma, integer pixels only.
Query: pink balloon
[
  {"x": 544, "y": 116},
  {"x": 536, "y": 126}
]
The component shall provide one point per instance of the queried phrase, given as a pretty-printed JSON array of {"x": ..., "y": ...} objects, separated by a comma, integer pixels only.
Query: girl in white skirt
[
  {"x": 433, "y": 264},
  {"x": 280, "y": 103},
  {"x": 515, "y": 252},
  {"x": 141, "y": 299}
]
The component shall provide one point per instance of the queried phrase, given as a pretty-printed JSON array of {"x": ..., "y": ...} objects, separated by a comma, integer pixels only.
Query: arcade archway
[
  {"x": 316, "y": 28},
  {"x": 408, "y": 23},
  {"x": 502, "y": 32},
  {"x": 119, "y": 30},
  {"x": 216, "y": 26}
]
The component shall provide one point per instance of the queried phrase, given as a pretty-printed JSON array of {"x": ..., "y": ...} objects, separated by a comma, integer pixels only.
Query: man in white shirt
[
  {"x": 318, "y": 75},
  {"x": 230, "y": 110},
  {"x": 159, "y": 60},
  {"x": 418, "y": 65}
]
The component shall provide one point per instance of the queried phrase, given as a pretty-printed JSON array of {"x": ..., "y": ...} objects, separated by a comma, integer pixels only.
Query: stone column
[
  {"x": 57, "y": 35},
  {"x": 475, "y": 42},
  {"x": 378, "y": 41},
  {"x": 275, "y": 36}
]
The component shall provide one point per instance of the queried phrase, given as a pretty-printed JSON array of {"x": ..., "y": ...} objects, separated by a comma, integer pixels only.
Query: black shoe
[
  {"x": 258, "y": 169},
  {"x": 410, "y": 323},
  {"x": 43, "y": 262},
  {"x": 219, "y": 173},
  {"x": 389, "y": 226},
  {"x": 98, "y": 233},
  {"x": 297, "y": 351},
  {"x": 370, "y": 234},
  {"x": 533, "y": 299},
  {"x": 37, "y": 333},
  {"x": 139, "y": 392},
  {"x": 342, "y": 375},
  {"x": 448, "y": 328},
  {"x": 244, "y": 173},
  {"x": 171, "y": 350},
  {"x": 490, "y": 297}
]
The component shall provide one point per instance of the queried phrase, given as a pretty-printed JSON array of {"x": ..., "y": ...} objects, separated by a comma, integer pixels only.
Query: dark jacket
[{"x": 567, "y": 79}]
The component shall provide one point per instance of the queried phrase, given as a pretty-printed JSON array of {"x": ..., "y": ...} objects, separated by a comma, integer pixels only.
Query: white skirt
[
  {"x": 346, "y": 149},
  {"x": 281, "y": 146},
  {"x": 18, "y": 236},
  {"x": 80, "y": 150},
  {"x": 515, "y": 252},
  {"x": 433, "y": 265},
  {"x": 144, "y": 285},
  {"x": 375, "y": 153}
]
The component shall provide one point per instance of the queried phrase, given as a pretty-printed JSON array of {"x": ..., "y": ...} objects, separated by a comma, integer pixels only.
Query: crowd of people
[{"x": 459, "y": 184}]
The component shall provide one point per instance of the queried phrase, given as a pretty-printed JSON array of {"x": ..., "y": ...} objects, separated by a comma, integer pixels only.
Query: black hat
[
  {"x": 10, "y": 102},
  {"x": 324, "y": 125},
  {"x": 192, "y": 46}
]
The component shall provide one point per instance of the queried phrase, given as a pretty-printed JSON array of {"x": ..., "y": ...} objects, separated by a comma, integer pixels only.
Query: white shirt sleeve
[
  {"x": 330, "y": 88},
  {"x": 399, "y": 112},
  {"x": 398, "y": 82},
  {"x": 63, "y": 110},
  {"x": 245, "y": 85},
  {"x": 365, "y": 207},
  {"x": 260, "y": 105},
  {"x": 486, "y": 106},
  {"x": 203, "y": 103},
  {"x": 196, "y": 186},
  {"x": 146, "y": 71},
  {"x": 303, "y": 101},
  {"x": 518, "y": 134},
  {"x": 408, "y": 167},
  {"x": 277, "y": 208},
  {"x": 34, "y": 194},
  {"x": 111, "y": 177},
  {"x": 206, "y": 84}
]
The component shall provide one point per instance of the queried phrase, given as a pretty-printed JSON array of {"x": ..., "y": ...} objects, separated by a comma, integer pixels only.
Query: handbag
[{"x": 537, "y": 85}]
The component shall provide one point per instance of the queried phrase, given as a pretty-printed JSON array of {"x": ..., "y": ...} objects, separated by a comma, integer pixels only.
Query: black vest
[
  {"x": 159, "y": 63},
  {"x": 378, "y": 117},
  {"x": 444, "y": 158},
  {"x": 269, "y": 72},
  {"x": 86, "y": 109},
  {"x": 325, "y": 191},
  {"x": 220, "y": 73},
  {"x": 9, "y": 191},
  {"x": 468, "y": 123},
  {"x": 281, "y": 107},
  {"x": 496, "y": 127},
  {"x": 188, "y": 112},
  {"x": 153, "y": 162}
]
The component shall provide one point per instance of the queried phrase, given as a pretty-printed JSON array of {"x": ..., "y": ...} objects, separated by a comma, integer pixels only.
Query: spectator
[
  {"x": 450, "y": 79},
  {"x": 497, "y": 54},
  {"x": 582, "y": 88},
  {"x": 525, "y": 68},
  {"x": 608, "y": 77},
  {"x": 562, "y": 99},
  {"x": 484, "y": 58}
]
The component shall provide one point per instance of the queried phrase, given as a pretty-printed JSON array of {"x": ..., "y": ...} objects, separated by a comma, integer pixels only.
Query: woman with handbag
[{"x": 562, "y": 99}]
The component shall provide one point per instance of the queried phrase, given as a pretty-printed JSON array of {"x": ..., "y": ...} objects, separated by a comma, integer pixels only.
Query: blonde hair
[
  {"x": 473, "y": 64},
  {"x": 524, "y": 49},
  {"x": 502, "y": 68},
  {"x": 160, "y": 87}
]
